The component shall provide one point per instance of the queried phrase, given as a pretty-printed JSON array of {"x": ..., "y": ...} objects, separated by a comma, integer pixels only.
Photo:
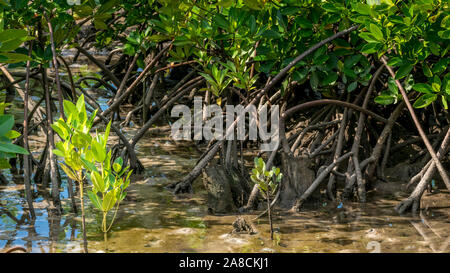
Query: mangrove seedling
[
  {"x": 83, "y": 152},
  {"x": 267, "y": 182},
  {"x": 75, "y": 142},
  {"x": 108, "y": 184}
]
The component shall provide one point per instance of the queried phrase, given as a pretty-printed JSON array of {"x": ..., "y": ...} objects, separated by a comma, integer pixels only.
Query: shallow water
[{"x": 152, "y": 219}]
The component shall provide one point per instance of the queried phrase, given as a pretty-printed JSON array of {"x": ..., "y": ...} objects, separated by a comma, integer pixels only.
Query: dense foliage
[{"x": 231, "y": 36}]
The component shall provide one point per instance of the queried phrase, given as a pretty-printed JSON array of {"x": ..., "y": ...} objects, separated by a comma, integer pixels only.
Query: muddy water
[{"x": 151, "y": 219}]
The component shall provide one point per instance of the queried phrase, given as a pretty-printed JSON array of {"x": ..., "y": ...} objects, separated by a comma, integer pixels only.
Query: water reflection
[{"x": 151, "y": 219}]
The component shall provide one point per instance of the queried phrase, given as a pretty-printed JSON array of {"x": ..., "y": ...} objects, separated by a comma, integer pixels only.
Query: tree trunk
[
  {"x": 297, "y": 178},
  {"x": 227, "y": 188}
]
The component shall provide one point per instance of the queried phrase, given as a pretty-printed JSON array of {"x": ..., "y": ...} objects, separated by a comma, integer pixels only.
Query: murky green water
[{"x": 152, "y": 219}]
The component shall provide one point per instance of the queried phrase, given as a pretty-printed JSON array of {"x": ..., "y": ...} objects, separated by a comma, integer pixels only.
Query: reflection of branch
[
  {"x": 425, "y": 237},
  {"x": 445, "y": 245},
  {"x": 10, "y": 215},
  {"x": 425, "y": 222},
  {"x": 421, "y": 231},
  {"x": 15, "y": 248}
]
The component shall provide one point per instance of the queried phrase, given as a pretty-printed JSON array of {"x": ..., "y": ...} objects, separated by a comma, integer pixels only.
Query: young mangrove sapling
[{"x": 267, "y": 182}]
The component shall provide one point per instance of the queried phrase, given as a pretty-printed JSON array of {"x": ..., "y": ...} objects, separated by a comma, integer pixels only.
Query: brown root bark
[
  {"x": 227, "y": 188},
  {"x": 376, "y": 153},
  {"x": 317, "y": 181},
  {"x": 413, "y": 201},
  {"x": 297, "y": 178},
  {"x": 422, "y": 134},
  {"x": 354, "y": 163},
  {"x": 185, "y": 183},
  {"x": 52, "y": 158}
]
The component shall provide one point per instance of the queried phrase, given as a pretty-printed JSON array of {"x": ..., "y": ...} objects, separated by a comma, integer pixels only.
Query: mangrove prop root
[
  {"x": 337, "y": 154},
  {"x": 27, "y": 161},
  {"x": 413, "y": 201},
  {"x": 52, "y": 158},
  {"x": 376, "y": 153},
  {"x": 130, "y": 89},
  {"x": 270, "y": 84},
  {"x": 193, "y": 84},
  {"x": 108, "y": 72},
  {"x": 55, "y": 65},
  {"x": 422, "y": 134},
  {"x": 317, "y": 182},
  {"x": 358, "y": 135}
]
